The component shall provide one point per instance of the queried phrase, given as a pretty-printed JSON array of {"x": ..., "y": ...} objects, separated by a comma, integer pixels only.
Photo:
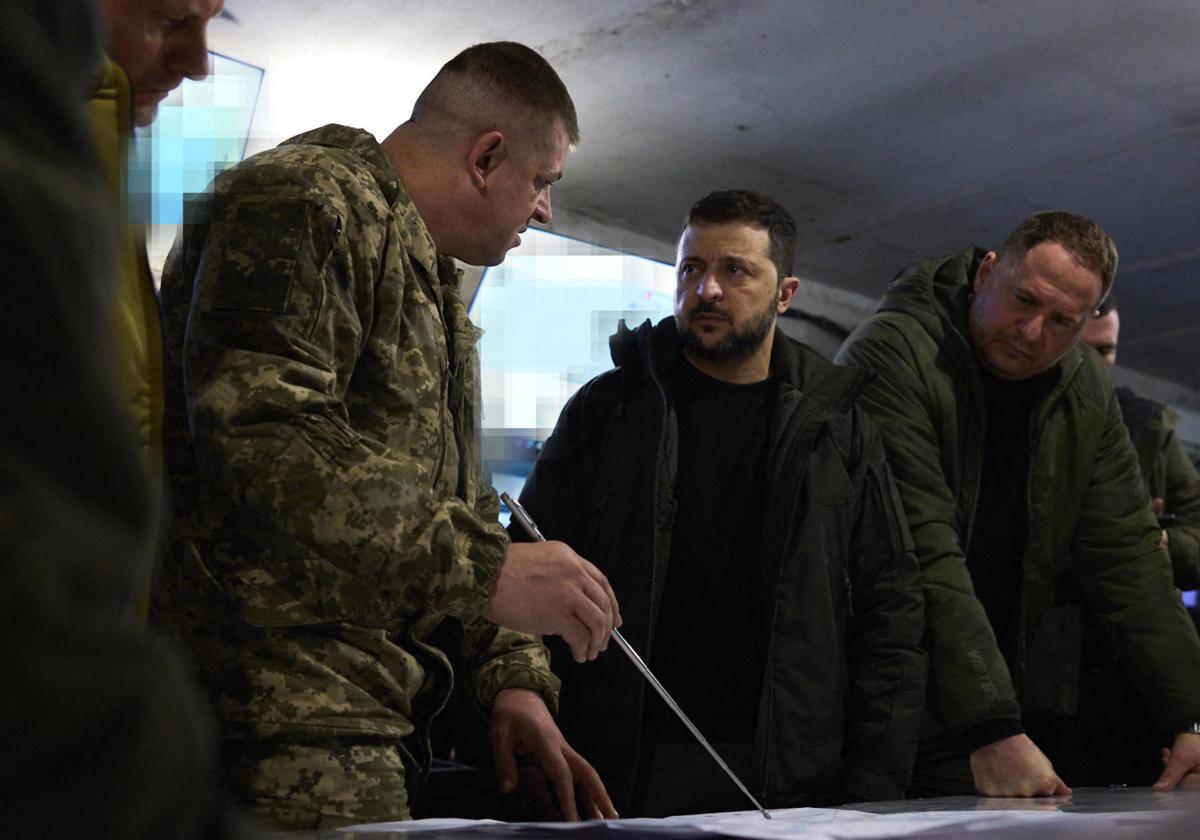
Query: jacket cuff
[
  {"x": 538, "y": 680},
  {"x": 989, "y": 732},
  {"x": 484, "y": 557}
]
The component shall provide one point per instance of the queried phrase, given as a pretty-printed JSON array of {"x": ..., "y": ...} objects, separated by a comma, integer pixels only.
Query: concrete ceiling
[{"x": 893, "y": 130}]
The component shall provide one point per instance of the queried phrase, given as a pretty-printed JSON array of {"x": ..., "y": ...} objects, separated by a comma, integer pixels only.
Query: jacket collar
[
  {"x": 937, "y": 293},
  {"x": 416, "y": 237},
  {"x": 652, "y": 350}
]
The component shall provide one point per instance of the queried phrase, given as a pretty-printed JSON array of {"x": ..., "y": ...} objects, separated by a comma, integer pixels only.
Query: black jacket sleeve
[
  {"x": 887, "y": 664},
  {"x": 102, "y": 733}
]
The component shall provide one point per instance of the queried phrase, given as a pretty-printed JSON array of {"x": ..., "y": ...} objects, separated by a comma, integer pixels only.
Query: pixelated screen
[
  {"x": 202, "y": 128},
  {"x": 547, "y": 312}
]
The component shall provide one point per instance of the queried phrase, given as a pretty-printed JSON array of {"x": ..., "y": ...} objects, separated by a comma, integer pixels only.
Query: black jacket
[{"x": 844, "y": 681}]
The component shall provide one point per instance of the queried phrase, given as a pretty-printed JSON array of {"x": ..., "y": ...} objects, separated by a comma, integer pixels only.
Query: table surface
[{"x": 1087, "y": 814}]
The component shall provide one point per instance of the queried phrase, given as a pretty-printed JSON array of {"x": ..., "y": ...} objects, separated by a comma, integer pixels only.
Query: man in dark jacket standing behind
[
  {"x": 1024, "y": 499},
  {"x": 738, "y": 500}
]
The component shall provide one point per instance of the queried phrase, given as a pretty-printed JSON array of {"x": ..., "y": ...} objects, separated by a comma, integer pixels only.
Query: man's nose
[
  {"x": 709, "y": 288},
  {"x": 541, "y": 210},
  {"x": 189, "y": 55},
  {"x": 1031, "y": 330}
]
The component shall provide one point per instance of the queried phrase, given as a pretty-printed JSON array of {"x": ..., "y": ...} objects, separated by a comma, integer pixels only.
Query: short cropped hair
[
  {"x": 1081, "y": 237},
  {"x": 504, "y": 70},
  {"x": 756, "y": 210}
]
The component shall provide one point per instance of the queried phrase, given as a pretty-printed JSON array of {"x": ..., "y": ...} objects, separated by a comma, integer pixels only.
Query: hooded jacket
[
  {"x": 840, "y": 703},
  {"x": 1090, "y": 529},
  {"x": 1170, "y": 476},
  {"x": 137, "y": 320}
]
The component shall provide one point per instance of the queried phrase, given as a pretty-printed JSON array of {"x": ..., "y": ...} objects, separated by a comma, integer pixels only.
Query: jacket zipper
[{"x": 653, "y": 612}]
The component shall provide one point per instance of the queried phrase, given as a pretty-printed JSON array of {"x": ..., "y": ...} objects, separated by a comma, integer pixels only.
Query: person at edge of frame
[{"x": 1024, "y": 499}]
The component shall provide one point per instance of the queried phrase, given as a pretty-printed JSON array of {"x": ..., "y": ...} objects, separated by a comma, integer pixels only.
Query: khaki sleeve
[{"x": 340, "y": 526}]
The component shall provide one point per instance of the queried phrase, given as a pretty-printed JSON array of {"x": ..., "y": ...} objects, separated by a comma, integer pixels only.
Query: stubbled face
[
  {"x": 159, "y": 43},
  {"x": 1102, "y": 334},
  {"x": 519, "y": 193},
  {"x": 1026, "y": 314},
  {"x": 727, "y": 291}
]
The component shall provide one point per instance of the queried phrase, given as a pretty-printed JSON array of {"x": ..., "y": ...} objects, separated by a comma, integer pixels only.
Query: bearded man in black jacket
[{"x": 726, "y": 482}]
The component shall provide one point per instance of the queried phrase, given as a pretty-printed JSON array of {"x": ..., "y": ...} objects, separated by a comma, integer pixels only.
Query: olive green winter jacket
[
  {"x": 1090, "y": 528},
  {"x": 1170, "y": 476}
]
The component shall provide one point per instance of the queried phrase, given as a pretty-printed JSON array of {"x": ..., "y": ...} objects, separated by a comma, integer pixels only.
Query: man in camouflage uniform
[{"x": 322, "y": 447}]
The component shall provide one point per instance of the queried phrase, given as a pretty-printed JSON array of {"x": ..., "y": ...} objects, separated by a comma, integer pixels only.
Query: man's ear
[
  {"x": 487, "y": 153},
  {"x": 986, "y": 266},
  {"x": 787, "y": 291}
]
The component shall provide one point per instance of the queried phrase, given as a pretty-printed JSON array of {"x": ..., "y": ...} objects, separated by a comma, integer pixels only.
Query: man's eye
[{"x": 173, "y": 24}]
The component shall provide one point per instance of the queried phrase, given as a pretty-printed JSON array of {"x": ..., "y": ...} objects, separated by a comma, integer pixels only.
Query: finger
[
  {"x": 1166, "y": 755},
  {"x": 578, "y": 639},
  {"x": 588, "y": 781},
  {"x": 559, "y": 776},
  {"x": 1171, "y": 774},
  {"x": 595, "y": 624},
  {"x": 1157, "y": 505},
  {"x": 504, "y": 757},
  {"x": 600, "y": 594},
  {"x": 614, "y": 611},
  {"x": 1190, "y": 782},
  {"x": 1060, "y": 788}
]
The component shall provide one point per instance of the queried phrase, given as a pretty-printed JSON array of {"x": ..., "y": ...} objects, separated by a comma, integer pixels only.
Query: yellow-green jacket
[{"x": 135, "y": 313}]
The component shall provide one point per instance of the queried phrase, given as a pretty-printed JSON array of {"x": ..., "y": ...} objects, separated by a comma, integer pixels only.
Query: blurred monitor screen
[
  {"x": 547, "y": 312},
  {"x": 202, "y": 129}
]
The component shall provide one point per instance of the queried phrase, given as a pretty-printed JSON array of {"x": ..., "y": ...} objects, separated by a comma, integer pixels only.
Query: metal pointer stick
[{"x": 526, "y": 522}]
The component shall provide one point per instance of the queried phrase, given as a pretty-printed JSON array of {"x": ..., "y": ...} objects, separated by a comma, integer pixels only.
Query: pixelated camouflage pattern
[
  {"x": 322, "y": 446},
  {"x": 319, "y": 786}
]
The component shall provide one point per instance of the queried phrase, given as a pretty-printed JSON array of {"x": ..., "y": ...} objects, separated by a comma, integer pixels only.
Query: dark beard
[{"x": 739, "y": 344}]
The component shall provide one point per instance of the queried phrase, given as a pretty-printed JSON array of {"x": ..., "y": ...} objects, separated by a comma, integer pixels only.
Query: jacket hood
[
  {"x": 936, "y": 293},
  {"x": 653, "y": 350}
]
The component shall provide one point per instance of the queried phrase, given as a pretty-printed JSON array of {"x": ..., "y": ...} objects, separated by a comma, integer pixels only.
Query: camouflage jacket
[{"x": 322, "y": 450}]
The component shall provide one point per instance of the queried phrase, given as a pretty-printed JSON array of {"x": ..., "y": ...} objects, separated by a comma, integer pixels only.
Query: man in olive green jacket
[
  {"x": 1170, "y": 476},
  {"x": 1021, "y": 488},
  {"x": 1111, "y": 738}
]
